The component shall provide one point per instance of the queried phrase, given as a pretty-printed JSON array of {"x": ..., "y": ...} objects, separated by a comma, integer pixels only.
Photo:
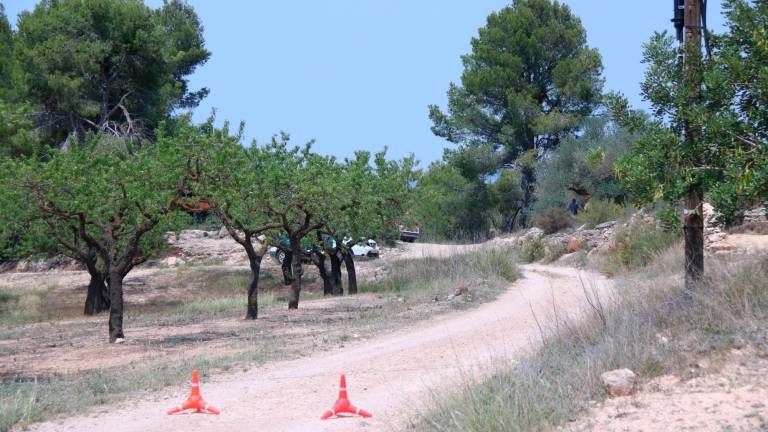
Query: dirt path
[{"x": 390, "y": 376}]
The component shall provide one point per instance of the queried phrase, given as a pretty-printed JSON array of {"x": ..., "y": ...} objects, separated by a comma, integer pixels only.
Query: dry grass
[
  {"x": 31, "y": 305},
  {"x": 650, "y": 326}
]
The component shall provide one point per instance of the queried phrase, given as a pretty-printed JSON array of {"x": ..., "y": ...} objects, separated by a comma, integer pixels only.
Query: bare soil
[
  {"x": 61, "y": 340},
  {"x": 391, "y": 375},
  {"x": 726, "y": 394}
]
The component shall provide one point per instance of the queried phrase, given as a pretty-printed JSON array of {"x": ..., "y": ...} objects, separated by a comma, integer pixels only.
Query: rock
[
  {"x": 573, "y": 245},
  {"x": 716, "y": 237},
  {"x": 755, "y": 215},
  {"x": 459, "y": 292},
  {"x": 223, "y": 233},
  {"x": 173, "y": 261},
  {"x": 662, "y": 340},
  {"x": 722, "y": 247},
  {"x": 532, "y": 234},
  {"x": 605, "y": 225},
  {"x": 619, "y": 382}
]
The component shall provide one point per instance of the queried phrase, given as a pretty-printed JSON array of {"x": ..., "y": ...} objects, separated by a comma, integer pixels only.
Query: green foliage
[
  {"x": 110, "y": 196},
  {"x": 725, "y": 103},
  {"x": 599, "y": 211},
  {"x": 640, "y": 243},
  {"x": 553, "y": 220},
  {"x": 508, "y": 99},
  {"x": 7, "y": 64},
  {"x": 528, "y": 82},
  {"x": 112, "y": 66},
  {"x": 584, "y": 163},
  {"x": 506, "y": 195},
  {"x": 449, "y": 206},
  {"x": 532, "y": 251},
  {"x": 669, "y": 217}
]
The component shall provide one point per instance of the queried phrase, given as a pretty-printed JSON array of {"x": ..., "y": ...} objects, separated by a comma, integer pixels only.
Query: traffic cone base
[
  {"x": 342, "y": 405},
  {"x": 195, "y": 401}
]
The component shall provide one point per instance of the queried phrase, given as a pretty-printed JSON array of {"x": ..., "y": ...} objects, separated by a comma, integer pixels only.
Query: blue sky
[{"x": 359, "y": 74}]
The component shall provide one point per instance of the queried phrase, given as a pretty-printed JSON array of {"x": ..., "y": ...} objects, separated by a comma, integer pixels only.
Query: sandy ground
[
  {"x": 733, "y": 397},
  {"x": 392, "y": 376}
]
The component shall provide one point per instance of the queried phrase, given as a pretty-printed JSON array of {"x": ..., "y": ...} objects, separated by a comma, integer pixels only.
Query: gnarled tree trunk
[
  {"x": 337, "y": 287},
  {"x": 318, "y": 259},
  {"x": 115, "y": 306},
  {"x": 349, "y": 263},
  {"x": 253, "y": 288},
  {"x": 297, "y": 270},
  {"x": 286, "y": 268},
  {"x": 97, "y": 299}
]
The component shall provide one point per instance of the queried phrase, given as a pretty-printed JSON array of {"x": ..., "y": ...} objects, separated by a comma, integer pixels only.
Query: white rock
[
  {"x": 173, "y": 261},
  {"x": 619, "y": 382}
]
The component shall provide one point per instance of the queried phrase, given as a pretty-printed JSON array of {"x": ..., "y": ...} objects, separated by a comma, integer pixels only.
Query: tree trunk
[
  {"x": 318, "y": 258},
  {"x": 694, "y": 242},
  {"x": 97, "y": 299},
  {"x": 286, "y": 267},
  {"x": 528, "y": 181},
  {"x": 293, "y": 298},
  {"x": 115, "y": 306},
  {"x": 338, "y": 288},
  {"x": 252, "y": 311},
  {"x": 349, "y": 263}
]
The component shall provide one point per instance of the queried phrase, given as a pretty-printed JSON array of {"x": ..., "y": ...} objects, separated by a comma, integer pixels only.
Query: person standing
[{"x": 573, "y": 207}]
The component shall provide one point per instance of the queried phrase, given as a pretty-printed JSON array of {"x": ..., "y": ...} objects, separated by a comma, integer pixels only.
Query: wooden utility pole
[{"x": 693, "y": 211}]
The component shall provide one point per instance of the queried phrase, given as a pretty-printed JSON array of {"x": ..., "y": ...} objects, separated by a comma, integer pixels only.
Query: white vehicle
[{"x": 367, "y": 248}]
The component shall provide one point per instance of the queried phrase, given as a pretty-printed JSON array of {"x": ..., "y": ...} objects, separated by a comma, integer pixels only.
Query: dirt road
[{"x": 390, "y": 376}]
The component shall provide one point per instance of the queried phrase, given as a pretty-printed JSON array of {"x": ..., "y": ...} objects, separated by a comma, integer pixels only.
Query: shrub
[
  {"x": 599, "y": 211},
  {"x": 553, "y": 220},
  {"x": 532, "y": 251},
  {"x": 668, "y": 217},
  {"x": 639, "y": 243},
  {"x": 553, "y": 250}
]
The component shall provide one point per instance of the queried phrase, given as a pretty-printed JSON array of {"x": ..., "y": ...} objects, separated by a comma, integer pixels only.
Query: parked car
[
  {"x": 368, "y": 248},
  {"x": 409, "y": 235}
]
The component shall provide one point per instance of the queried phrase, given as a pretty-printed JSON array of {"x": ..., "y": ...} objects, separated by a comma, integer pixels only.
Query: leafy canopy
[
  {"x": 528, "y": 81},
  {"x": 726, "y": 103},
  {"x": 104, "y": 65}
]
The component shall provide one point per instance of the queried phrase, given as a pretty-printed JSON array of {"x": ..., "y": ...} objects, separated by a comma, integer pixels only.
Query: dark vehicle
[
  {"x": 409, "y": 235},
  {"x": 280, "y": 254}
]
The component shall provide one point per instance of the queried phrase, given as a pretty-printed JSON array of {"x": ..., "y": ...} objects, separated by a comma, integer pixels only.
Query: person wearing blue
[{"x": 573, "y": 207}]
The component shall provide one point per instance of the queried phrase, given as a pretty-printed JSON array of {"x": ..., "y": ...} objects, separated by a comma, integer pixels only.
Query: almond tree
[
  {"x": 114, "y": 197},
  {"x": 372, "y": 199},
  {"x": 300, "y": 181},
  {"x": 230, "y": 177}
]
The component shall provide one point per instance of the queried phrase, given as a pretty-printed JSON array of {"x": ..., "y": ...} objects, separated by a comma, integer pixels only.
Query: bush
[
  {"x": 668, "y": 217},
  {"x": 584, "y": 162},
  {"x": 599, "y": 211},
  {"x": 553, "y": 220},
  {"x": 553, "y": 251},
  {"x": 639, "y": 243},
  {"x": 532, "y": 251}
]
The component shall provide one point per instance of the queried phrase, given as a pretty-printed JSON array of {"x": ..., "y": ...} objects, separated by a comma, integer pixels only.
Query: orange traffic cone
[
  {"x": 194, "y": 401},
  {"x": 342, "y": 405}
]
